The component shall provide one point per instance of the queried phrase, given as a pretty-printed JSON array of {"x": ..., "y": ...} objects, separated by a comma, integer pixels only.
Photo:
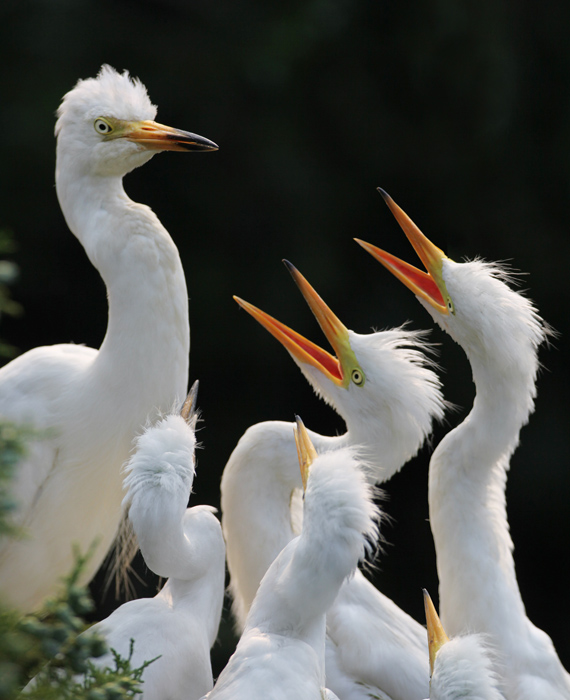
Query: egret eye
[
  {"x": 450, "y": 306},
  {"x": 102, "y": 126},
  {"x": 357, "y": 377}
]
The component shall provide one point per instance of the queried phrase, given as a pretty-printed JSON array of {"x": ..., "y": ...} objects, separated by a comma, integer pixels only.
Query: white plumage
[
  {"x": 92, "y": 403},
  {"x": 462, "y": 668},
  {"x": 281, "y": 652},
  {"x": 372, "y": 646},
  {"x": 180, "y": 623},
  {"x": 500, "y": 331}
]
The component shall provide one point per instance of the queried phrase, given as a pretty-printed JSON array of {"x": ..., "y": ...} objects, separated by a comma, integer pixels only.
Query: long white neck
[
  {"x": 290, "y": 604},
  {"x": 201, "y": 603},
  {"x": 467, "y": 479},
  {"x": 167, "y": 549},
  {"x": 197, "y": 582},
  {"x": 257, "y": 487},
  {"x": 143, "y": 360}
]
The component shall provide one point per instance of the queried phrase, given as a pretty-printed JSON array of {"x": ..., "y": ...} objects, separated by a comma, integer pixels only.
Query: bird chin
[
  {"x": 131, "y": 157},
  {"x": 140, "y": 157}
]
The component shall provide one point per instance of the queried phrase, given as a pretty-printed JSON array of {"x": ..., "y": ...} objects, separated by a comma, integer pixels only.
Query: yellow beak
[
  {"x": 157, "y": 137},
  {"x": 305, "y": 449},
  {"x": 436, "y": 634},
  {"x": 188, "y": 410}
]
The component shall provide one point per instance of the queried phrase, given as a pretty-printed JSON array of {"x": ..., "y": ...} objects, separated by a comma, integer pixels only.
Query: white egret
[
  {"x": 461, "y": 668},
  {"x": 281, "y": 651},
  {"x": 500, "y": 331},
  {"x": 180, "y": 624},
  {"x": 383, "y": 387},
  {"x": 92, "y": 403}
]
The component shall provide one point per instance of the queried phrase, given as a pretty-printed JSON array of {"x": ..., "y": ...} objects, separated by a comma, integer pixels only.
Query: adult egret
[
  {"x": 383, "y": 387},
  {"x": 461, "y": 667},
  {"x": 92, "y": 403},
  {"x": 281, "y": 651},
  {"x": 500, "y": 331},
  {"x": 180, "y": 623}
]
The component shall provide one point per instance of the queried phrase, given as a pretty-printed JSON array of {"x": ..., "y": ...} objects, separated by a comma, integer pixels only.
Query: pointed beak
[
  {"x": 189, "y": 408},
  {"x": 157, "y": 137},
  {"x": 305, "y": 450},
  {"x": 436, "y": 634},
  {"x": 338, "y": 369},
  {"x": 429, "y": 286},
  {"x": 302, "y": 349}
]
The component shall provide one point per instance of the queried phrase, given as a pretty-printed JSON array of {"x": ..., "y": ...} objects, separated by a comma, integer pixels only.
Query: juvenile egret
[
  {"x": 281, "y": 651},
  {"x": 462, "y": 667},
  {"x": 92, "y": 403},
  {"x": 180, "y": 623},
  {"x": 383, "y": 387},
  {"x": 500, "y": 331}
]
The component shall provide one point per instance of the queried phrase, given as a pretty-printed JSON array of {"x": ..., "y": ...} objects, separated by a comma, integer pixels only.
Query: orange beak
[
  {"x": 338, "y": 369},
  {"x": 429, "y": 286}
]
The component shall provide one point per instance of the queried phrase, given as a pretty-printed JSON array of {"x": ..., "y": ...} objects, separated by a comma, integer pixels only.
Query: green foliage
[
  {"x": 12, "y": 449},
  {"x": 49, "y": 646}
]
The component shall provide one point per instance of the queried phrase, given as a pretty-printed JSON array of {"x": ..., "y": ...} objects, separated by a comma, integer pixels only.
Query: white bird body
[
  {"x": 92, "y": 403},
  {"x": 372, "y": 645},
  {"x": 180, "y": 623},
  {"x": 377, "y": 643},
  {"x": 281, "y": 651},
  {"x": 387, "y": 420},
  {"x": 164, "y": 630},
  {"x": 467, "y": 481},
  {"x": 500, "y": 332}
]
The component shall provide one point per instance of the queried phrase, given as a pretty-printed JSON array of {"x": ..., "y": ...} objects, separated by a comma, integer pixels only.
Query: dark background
[{"x": 460, "y": 110}]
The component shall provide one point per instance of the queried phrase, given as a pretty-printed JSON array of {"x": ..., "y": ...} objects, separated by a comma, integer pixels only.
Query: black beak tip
[
  {"x": 384, "y": 194},
  {"x": 198, "y": 146},
  {"x": 193, "y": 142}
]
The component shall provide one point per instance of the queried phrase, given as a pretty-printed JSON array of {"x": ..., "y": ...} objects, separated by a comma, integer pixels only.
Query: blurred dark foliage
[{"x": 460, "y": 110}]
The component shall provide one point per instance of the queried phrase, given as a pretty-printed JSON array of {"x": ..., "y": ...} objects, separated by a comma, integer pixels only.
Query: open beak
[
  {"x": 436, "y": 634},
  {"x": 429, "y": 286},
  {"x": 305, "y": 450},
  {"x": 338, "y": 369},
  {"x": 157, "y": 137}
]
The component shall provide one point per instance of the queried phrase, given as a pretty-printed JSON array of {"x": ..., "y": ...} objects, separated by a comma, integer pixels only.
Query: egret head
[
  {"x": 472, "y": 301},
  {"x": 105, "y": 127},
  {"x": 163, "y": 465},
  {"x": 381, "y": 383}
]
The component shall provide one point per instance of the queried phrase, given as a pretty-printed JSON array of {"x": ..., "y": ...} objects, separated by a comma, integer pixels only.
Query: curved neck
[
  {"x": 202, "y": 602},
  {"x": 148, "y": 331},
  {"x": 257, "y": 489},
  {"x": 164, "y": 544},
  {"x": 467, "y": 480}
]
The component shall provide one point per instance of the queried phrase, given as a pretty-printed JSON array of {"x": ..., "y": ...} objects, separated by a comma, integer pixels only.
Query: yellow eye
[
  {"x": 357, "y": 377},
  {"x": 450, "y": 306},
  {"x": 102, "y": 126}
]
